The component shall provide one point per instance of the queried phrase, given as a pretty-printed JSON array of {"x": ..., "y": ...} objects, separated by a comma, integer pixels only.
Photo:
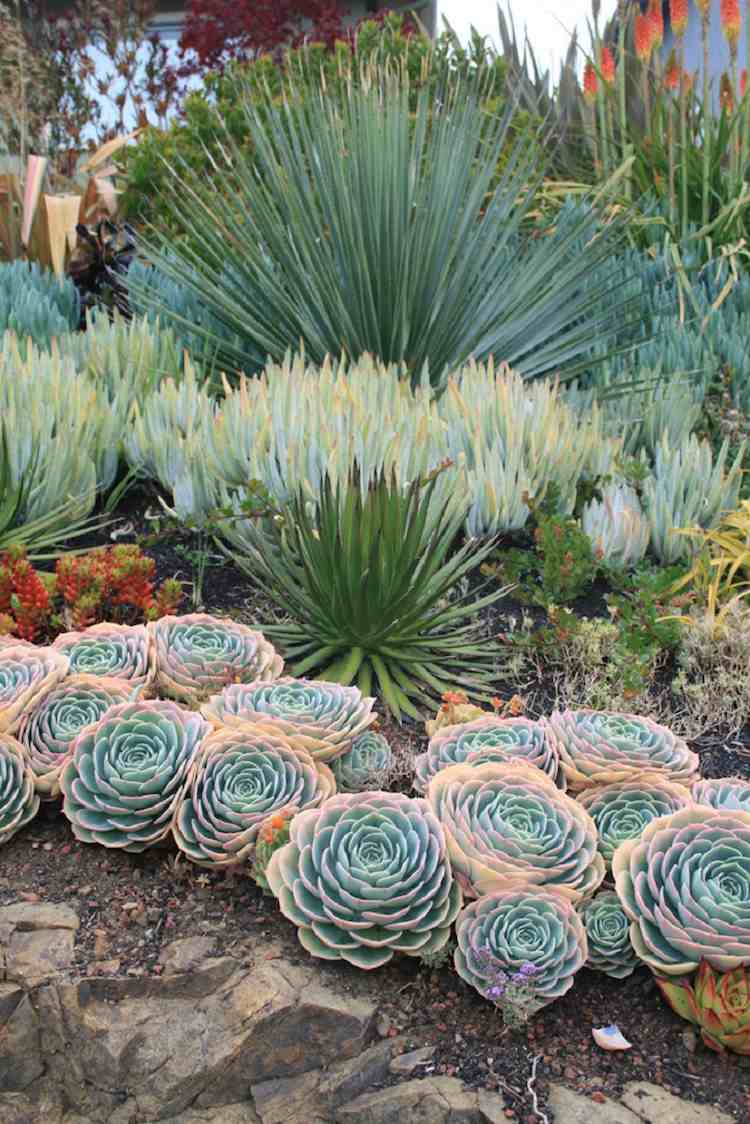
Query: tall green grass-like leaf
[
  {"x": 358, "y": 226},
  {"x": 373, "y": 593}
]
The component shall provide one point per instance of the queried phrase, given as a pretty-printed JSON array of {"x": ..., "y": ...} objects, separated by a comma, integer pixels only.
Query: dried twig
[{"x": 530, "y": 1086}]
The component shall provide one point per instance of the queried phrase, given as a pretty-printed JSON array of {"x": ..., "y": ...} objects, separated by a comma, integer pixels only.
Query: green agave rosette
[
  {"x": 322, "y": 717},
  {"x": 599, "y": 747},
  {"x": 240, "y": 778},
  {"x": 19, "y": 802},
  {"x": 730, "y": 793},
  {"x": 48, "y": 731},
  {"x": 483, "y": 739},
  {"x": 506, "y": 929},
  {"x": 622, "y": 811},
  {"x": 364, "y": 876},
  {"x": 26, "y": 675},
  {"x": 507, "y": 825},
  {"x": 716, "y": 1002},
  {"x": 198, "y": 654},
  {"x": 364, "y": 764},
  {"x": 125, "y": 775},
  {"x": 608, "y": 933},
  {"x": 114, "y": 651},
  {"x": 685, "y": 885}
]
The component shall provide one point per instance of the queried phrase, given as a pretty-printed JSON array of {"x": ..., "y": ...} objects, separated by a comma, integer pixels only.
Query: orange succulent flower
[
  {"x": 731, "y": 21},
  {"x": 607, "y": 65},
  {"x": 590, "y": 82},
  {"x": 642, "y": 34},
  {"x": 679, "y": 13},
  {"x": 656, "y": 22},
  {"x": 672, "y": 76}
]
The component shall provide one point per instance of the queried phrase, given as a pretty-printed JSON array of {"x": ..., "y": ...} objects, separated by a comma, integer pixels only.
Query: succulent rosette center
[
  {"x": 608, "y": 931},
  {"x": 364, "y": 876},
  {"x": 125, "y": 776}
]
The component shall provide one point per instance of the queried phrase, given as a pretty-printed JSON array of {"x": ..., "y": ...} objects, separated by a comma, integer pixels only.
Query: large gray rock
[
  {"x": 575, "y": 1108},
  {"x": 28, "y": 917},
  {"x": 432, "y": 1100},
  {"x": 20, "y": 1058},
  {"x": 653, "y": 1105}
]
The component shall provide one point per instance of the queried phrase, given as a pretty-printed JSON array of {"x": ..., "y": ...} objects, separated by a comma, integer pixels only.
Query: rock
[
  {"x": 16, "y": 1108},
  {"x": 290, "y": 1100},
  {"x": 21, "y": 1063},
  {"x": 33, "y": 958},
  {"x": 27, "y": 917},
  {"x": 405, "y": 1064},
  {"x": 432, "y": 1100},
  {"x": 348, "y": 1079},
  {"x": 383, "y": 1025},
  {"x": 651, "y": 1105},
  {"x": 185, "y": 955},
  {"x": 573, "y": 1108},
  {"x": 198, "y": 1039},
  {"x": 227, "y": 1114}
]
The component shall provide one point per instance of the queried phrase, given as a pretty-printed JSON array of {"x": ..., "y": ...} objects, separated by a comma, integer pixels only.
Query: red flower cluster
[
  {"x": 679, "y": 14},
  {"x": 731, "y": 21},
  {"x": 112, "y": 583}
]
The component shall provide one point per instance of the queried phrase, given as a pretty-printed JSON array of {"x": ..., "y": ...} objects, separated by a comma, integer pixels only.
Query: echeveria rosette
[
  {"x": 685, "y": 885},
  {"x": 239, "y": 779},
  {"x": 621, "y": 811},
  {"x": 730, "y": 793},
  {"x": 599, "y": 747},
  {"x": 716, "y": 1002},
  {"x": 608, "y": 932},
  {"x": 364, "y": 764},
  {"x": 501, "y": 738},
  {"x": 198, "y": 654},
  {"x": 364, "y": 876},
  {"x": 322, "y": 717},
  {"x": 19, "y": 802},
  {"x": 115, "y": 651},
  {"x": 507, "y": 825},
  {"x": 48, "y": 730},
  {"x": 125, "y": 775},
  {"x": 26, "y": 675},
  {"x": 506, "y": 929}
]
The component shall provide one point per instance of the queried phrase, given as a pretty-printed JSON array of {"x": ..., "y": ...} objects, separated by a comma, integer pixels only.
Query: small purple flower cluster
[{"x": 512, "y": 993}]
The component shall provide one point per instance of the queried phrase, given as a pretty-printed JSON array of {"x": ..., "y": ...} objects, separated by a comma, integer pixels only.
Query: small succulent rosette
[
  {"x": 364, "y": 876},
  {"x": 512, "y": 931},
  {"x": 197, "y": 654},
  {"x": 19, "y": 802},
  {"x": 483, "y": 739},
  {"x": 608, "y": 932},
  {"x": 26, "y": 675},
  {"x": 48, "y": 730},
  {"x": 240, "y": 779},
  {"x": 621, "y": 811},
  {"x": 508, "y": 825},
  {"x": 718, "y": 1003},
  {"x": 323, "y": 718},
  {"x": 125, "y": 776},
  {"x": 365, "y": 764},
  {"x": 729, "y": 793},
  {"x": 685, "y": 885},
  {"x": 113, "y": 651},
  {"x": 599, "y": 747}
]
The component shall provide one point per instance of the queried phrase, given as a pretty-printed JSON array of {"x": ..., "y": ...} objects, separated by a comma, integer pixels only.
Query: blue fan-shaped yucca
[
  {"x": 357, "y": 225},
  {"x": 372, "y": 590}
]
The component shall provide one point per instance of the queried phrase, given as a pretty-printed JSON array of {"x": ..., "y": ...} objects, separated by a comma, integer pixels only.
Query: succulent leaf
[
  {"x": 622, "y": 810},
  {"x": 118, "y": 651},
  {"x": 506, "y": 739},
  {"x": 19, "y": 802},
  {"x": 608, "y": 932},
  {"x": 364, "y": 764},
  {"x": 730, "y": 793},
  {"x": 717, "y": 1002},
  {"x": 26, "y": 675}
]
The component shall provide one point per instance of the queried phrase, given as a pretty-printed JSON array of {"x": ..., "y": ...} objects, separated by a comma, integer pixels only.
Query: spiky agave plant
[{"x": 370, "y": 587}]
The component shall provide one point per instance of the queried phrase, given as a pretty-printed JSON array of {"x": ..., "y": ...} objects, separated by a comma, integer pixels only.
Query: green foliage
[
  {"x": 373, "y": 592},
  {"x": 36, "y": 303}
]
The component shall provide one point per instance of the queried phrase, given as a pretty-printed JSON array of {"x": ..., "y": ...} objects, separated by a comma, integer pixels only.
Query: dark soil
[{"x": 131, "y": 906}]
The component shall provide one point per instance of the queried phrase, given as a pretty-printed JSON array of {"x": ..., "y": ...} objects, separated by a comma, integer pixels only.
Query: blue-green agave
[
  {"x": 126, "y": 775},
  {"x": 365, "y": 876}
]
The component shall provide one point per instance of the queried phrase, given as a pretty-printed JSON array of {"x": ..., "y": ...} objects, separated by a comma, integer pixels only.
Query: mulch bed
[{"x": 131, "y": 906}]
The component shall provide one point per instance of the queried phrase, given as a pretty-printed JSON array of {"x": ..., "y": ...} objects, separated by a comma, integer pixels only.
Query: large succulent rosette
[
  {"x": 507, "y": 825},
  {"x": 322, "y": 717},
  {"x": 365, "y": 763},
  {"x": 602, "y": 747},
  {"x": 364, "y": 876},
  {"x": 685, "y": 885},
  {"x": 26, "y": 675},
  {"x": 239, "y": 779},
  {"x": 608, "y": 932},
  {"x": 198, "y": 654},
  {"x": 19, "y": 802},
  {"x": 729, "y": 793},
  {"x": 716, "y": 1002},
  {"x": 483, "y": 739},
  {"x": 48, "y": 730},
  {"x": 126, "y": 774},
  {"x": 622, "y": 811},
  {"x": 116, "y": 651},
  {"x": 507, "y": 929}
]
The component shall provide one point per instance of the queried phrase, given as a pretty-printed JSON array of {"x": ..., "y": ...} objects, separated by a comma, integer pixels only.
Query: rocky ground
[{"x": 87, "y": 1009}]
